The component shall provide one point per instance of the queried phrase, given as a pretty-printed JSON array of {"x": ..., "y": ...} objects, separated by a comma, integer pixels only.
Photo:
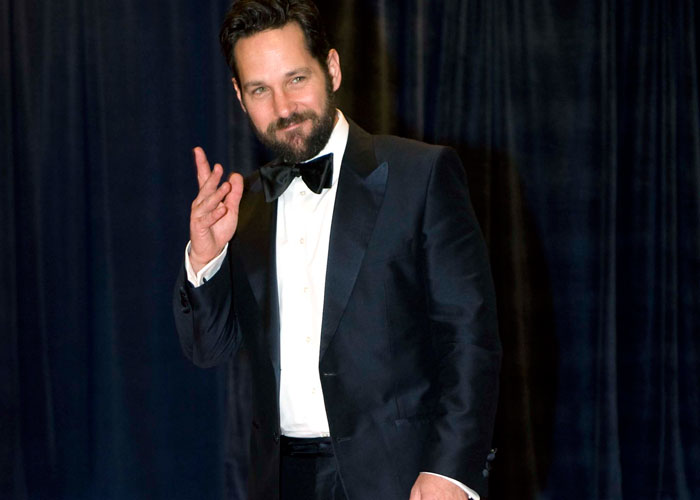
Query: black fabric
[
  {"x": 308, "y": 470},
  {"x": 317, "y": 175},
  {"x": 578, "y": 123},
  {"x": 309, "y": 447}
]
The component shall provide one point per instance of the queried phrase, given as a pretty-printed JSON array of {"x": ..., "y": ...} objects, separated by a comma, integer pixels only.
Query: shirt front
[{"x": 302, "y": 239}]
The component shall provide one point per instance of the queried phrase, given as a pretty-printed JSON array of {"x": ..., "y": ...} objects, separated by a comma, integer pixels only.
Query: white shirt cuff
[
  {"x": 206, "y": 273},
  {"x": 473, "y": 495}
]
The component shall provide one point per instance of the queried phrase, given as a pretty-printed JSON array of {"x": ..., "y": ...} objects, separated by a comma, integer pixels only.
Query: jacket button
[
  {"x": 184, "y": 301},
  {"x": 276, "y": 436}
]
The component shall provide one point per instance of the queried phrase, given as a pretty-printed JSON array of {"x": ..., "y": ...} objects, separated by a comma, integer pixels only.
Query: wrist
[{"x": 196, "y": 262}]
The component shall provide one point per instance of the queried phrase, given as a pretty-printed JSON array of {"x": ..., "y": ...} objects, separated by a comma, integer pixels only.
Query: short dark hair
[{"x": 248, "y": 17}]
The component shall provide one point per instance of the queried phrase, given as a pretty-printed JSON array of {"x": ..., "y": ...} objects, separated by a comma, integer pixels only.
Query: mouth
[
  {"x": 291, "y": 126},
  {"x": 291, "y": 123}
]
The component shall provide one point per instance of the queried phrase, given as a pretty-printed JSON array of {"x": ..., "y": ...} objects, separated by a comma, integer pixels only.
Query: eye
[
  {"x": 259, "y": 91},
  {"x": 298, "y": 79}
]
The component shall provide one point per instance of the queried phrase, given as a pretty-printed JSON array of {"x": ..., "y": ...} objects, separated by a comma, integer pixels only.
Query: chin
[{"x": 295, "y": 139}]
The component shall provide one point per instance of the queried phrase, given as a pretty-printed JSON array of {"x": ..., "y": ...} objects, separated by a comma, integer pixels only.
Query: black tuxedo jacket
[{"x": 409, "y": 355}]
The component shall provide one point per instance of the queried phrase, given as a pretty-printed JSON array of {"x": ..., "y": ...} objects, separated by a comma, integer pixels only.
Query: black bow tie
[{"x": 317, "y": 175}]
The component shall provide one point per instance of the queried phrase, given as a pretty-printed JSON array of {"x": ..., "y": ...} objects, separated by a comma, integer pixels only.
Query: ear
[
  {"x": 238, "y": 94},
  {"x": 333, "y": 63}
]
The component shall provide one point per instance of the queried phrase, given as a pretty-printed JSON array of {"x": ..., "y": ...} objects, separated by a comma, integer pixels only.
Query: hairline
[{"x": 307, "y": 46}]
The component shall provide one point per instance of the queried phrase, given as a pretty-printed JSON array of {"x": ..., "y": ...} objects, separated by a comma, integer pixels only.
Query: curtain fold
[{"x": 658, "y": 137}]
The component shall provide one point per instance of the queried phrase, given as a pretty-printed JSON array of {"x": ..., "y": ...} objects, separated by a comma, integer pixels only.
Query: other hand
[
  {"x": 214, "y": 214},
  {"x": 431, "y": 487}
]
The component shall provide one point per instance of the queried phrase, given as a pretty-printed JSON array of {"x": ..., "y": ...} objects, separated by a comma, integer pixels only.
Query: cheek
[
  {"x": 310, "y": 98},
  {"x": 318, "y": 101},
  {"x": 260, "y": 117}
]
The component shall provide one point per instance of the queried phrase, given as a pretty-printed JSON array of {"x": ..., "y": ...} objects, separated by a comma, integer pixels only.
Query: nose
[{"x": 283, "y": 104}]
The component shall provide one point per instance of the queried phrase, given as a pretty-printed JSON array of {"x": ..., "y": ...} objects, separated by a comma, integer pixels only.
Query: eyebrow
[{"x": 304, "y": 70}]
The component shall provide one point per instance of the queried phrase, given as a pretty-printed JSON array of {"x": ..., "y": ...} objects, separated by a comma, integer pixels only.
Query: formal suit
[{"x": 409, "y": 354}]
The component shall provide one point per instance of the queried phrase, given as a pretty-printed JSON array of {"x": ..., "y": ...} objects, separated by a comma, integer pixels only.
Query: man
[{"x": 358, "y": 281}]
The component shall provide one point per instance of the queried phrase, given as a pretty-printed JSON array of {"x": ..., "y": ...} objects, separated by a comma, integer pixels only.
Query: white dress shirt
[{"x": 303, "y": 234}]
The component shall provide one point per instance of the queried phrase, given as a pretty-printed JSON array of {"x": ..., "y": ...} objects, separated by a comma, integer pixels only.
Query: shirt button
[
  {"x": 308, "y": 340},
  {"x": 301, "y": 241},
  {"x": 303, "y": 193},
  {"x": 306, "y": 289},
  {"x": 313, "y": 391}
]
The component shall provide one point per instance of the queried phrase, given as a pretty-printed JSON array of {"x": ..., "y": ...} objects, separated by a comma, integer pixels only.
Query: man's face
[{"x": 285, "y": 92}]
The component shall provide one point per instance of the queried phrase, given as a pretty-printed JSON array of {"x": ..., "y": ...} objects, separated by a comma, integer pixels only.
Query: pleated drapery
[{"x": 577, "y": 122}]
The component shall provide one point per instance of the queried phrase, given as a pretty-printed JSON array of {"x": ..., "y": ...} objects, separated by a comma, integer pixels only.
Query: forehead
[{"x": 273, "y": 52}]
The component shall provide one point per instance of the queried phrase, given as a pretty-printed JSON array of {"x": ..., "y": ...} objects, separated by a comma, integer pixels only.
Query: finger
[
  {"x": 211, "y": 184},
  {"x": 208, "y": 219},
  {"x": 202, "y": 165},
  {"x": 207, "y": 202}
]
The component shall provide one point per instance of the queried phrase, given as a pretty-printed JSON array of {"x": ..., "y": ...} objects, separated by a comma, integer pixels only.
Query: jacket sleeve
[
  {"x": 463, "y": 327},
  {"x": 205, "y": 318}
]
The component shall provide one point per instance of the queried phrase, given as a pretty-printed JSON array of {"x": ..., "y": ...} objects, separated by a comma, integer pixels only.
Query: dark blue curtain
[{"x": 579, "y": 126}]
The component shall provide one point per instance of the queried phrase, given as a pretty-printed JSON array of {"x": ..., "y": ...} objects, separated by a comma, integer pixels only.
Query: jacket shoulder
[{"x": 401, "y": 149}]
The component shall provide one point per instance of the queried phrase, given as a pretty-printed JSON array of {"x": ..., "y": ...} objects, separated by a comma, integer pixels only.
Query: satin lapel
[
  {"x": 256, "y": 246},
  {"x": 360, "y": 193}
]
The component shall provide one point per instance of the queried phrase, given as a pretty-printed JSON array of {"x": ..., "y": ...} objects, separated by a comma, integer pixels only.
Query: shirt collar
[{"x": 336, "y": 144}]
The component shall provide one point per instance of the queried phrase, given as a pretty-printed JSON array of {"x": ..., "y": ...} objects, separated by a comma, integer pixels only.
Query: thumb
[
  {"x": 233, "y": 199},
  {"x": 415, "y": 493}
]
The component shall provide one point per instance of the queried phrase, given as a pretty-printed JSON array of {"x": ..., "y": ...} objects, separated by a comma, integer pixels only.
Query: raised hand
[{"x": 214, "y": 214}]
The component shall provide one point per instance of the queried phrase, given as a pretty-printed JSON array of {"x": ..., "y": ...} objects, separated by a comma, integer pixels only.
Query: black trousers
[{"x": 309, "y": 471}]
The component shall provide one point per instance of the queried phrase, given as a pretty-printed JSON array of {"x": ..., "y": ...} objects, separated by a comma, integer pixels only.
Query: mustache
[{"x": 293, "y": 119}]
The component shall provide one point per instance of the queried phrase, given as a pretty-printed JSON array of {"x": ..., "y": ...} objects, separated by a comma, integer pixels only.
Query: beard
[{"x": 295, "y": 147}]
